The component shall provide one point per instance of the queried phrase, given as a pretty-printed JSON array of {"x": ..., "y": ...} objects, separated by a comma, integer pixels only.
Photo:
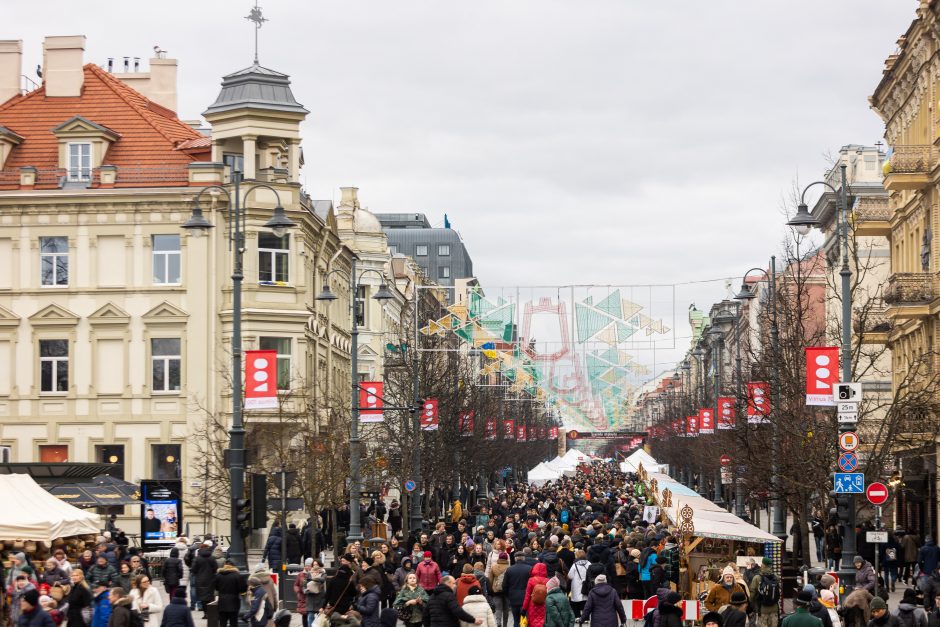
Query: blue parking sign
[{"x": 849, "y": 482}]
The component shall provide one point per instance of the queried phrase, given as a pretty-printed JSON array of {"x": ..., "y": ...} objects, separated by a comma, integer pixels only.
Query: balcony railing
[
  {"x": 872, "y": 319},
  {"x": 871, "y": 209},
  {"x": 913, "y": 159},
  {"x": 910, "y": 288}
]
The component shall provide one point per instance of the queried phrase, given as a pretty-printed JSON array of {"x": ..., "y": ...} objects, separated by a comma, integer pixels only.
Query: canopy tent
[
  {"x": 32, "y": 513},
  {"x": 577, "y": 456},
  {"x": 709, "y": 520},
  {"x": 564, "y": 469},
  {"x": 561, "y": 462},
  {"x": 633, "y": 462},
  {"x": 542, "y": 474}
]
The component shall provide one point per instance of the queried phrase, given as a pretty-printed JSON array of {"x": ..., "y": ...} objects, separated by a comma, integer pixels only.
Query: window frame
[
  {"x": 418, "y": 248},
  {"x": 443, "y": 250},
  {"x": 54, "y": 361},
  {"x": 443, "y": 272},
  {"x": 166, "y": 361},
  {"x": 271, "y": 261},
  {"x": 281, "y": 357},
  {"x": 160, "y": 450},
  {"x": 81, "y": 174},
  {"x": 165, "y": 260},
  {"x": 56, "y": 257}
]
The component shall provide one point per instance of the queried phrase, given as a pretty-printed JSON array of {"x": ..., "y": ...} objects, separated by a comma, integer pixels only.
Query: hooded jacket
[
  {"x": 369, "y": 605},
  {"x": 177, "y": 614},
  {"x": 928, "y": 557},
  {"x": 515, "y": 581},
  {"x": 865, "y": 577},
  {"x": 203, "y": 574},
  {"x": 910, "y": 614},
  {"x": 534, "y": 612},
  {"x": 230, "y": 585},
  {"x": 604, "y": 608},
  {"x": 669, "y": 615},
  {"x": 121, "y": 613},
  {"x": 477, "y": 606},
  {"x": 272, "y": 548},
  {"x": 464, "y": 583},
  {"x": 443, "y": 609},
  {"x": 558, "y": 611},
  {"x": 551, "y": 561}
]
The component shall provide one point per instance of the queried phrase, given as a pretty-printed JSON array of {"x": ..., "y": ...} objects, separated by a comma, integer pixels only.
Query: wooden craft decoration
[
  {"x": 686, "y": 526},
  {"x": 667, "y": 498}
]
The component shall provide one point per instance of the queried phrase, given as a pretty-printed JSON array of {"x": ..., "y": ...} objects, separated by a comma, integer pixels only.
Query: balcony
[
  {"x": 872, "y": 323},
  {"x": 872, "y": 217},
  {"x": 908, "y": 294},
  {"x": 909, "y": 167}
]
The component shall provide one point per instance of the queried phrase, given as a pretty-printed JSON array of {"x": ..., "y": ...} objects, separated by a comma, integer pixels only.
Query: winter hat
[
  {"x": 712, "y": 617},
  {"x": 767, "y": 561},
  {"x": 673, "y": 597},
  {"x": 31, "y": 596},
  {"x": 179, "y": 593},
  {"x": 503, "y": 555},
  {"x": 427, "y": 554},
  {"x": 727, "y": 571},
  {"x": 635, "y": 553},
  {"x": 551, "y": 584},
  {"x": 44, "y": 599},
  {"x": 858, "y": 560},
  {"x": 827, "y": 596},
  {"x": 910, "y": 596},
  {"x": 878, "y": 603},
  {"x": 805, "y": 598},
  {"x": 738, "y": 598},
  {"x": 20, "y": 557},
  {"x": 308, "y": 561},
  {"x": 600, "y": 579}
]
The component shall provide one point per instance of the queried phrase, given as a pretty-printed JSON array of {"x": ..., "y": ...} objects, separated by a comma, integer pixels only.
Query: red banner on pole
[
  {"x": 520, "y": 433},
  {"x": 509, "y": 429},
  {"x": 489, "y": 431},
  {"x": 677, "y": 427},
  {"x": 822, "y": 373},
  {"x": 758, "y": 402},
  {"x": 260, "y": 379},
  {"x": 691, "y": 426},
  {"x": 706, "y": 421},
  {"x": 370, "y": 401},
  {"x": 429, "y": 417},
  {"x": 725, "y": 419},
  {"x": 466, "y": 423},
  {"x": 553, "y": 433}
]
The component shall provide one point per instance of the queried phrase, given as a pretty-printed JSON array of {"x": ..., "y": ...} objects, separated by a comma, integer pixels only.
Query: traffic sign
[
  {"x": 848, "y": 417},
  {"x": 876, "y": 537},
  {"x": 725, "y": 460},
  {"x": 845, "y": 408},
  {"x": 848, "y": 392},
  {"x": 848, "y": 462},
  {"x": 848, "y": 441},
  {"x": 849, "y": 483},
  {"x": 877, "y": 493},
  {"x": 410, "y": 485}
]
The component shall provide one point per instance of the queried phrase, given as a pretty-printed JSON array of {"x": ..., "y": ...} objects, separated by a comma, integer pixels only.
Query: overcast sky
[{"x": 591, "y": 141}]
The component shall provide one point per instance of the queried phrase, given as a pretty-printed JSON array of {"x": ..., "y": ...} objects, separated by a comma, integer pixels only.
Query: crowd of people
[{"x": 569, "y": 551}]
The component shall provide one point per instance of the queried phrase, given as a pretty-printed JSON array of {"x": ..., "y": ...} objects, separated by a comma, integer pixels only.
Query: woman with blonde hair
[
  {"x": 79, "y": 599},
  {"x": 499, "y": 546}
]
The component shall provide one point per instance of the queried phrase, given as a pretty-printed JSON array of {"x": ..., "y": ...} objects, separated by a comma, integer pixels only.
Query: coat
[
  {"x": 909, "y": 548},
  {"x": 464, "y": 583},
  {"x": 801, "y": 618},
  {"x": 230, "y": 585},
  {"x": 340, "y": 591},
  {"x": 535, "y": 613},
  {"x": 477, "y": 606},
  {"x": 765, "y": 610},
  {"x": 172, "y": 572},
  {"x": 603, "y": 607},
  {"x": 429, "y": 575},
  {"x": 151, "y": 597},
  {"x": 272, "y": 549},
  {"x": 443, "y": 609},
  {"x": 928, "y": 557},
  {"x": 732, "y": 617},
  {"x": 314, "y": 600},
  {"x": 121, "y": 613},
  {"x": 720, "y": 596},
  {"x": 865, "y": 577},
  {"x": 499, "y": 568},
  {"x": 669, "y": 615},
  {"x": 203, "y": 574},
  {"x": 369, "y": 606},
  {"x": 515, "y": 580},
  {"x": 300, "y": 583},
  {"x": 177, "y": 614},
  {"x": 79, "y": 596},
  {"x": 417, "y": 611},
  {"x": 558, "y": 612},
  {"x": 102, "y": 612},
  {"x": 294, "y": 554},
  {"x": 38, "y": 617},
  {"x": 576, "y": 575}
]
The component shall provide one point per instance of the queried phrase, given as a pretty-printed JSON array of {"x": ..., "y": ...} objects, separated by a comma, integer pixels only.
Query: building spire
[{"x": 255, "y": 16}]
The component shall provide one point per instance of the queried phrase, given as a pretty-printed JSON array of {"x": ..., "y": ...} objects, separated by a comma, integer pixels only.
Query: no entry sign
[
  {"x": 725, "y": 460},
  {"x": 877, "y": 493}
]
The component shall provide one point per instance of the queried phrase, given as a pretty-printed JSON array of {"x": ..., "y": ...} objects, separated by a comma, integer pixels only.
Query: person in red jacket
[
  {"x": 429, "y": 573},
  {"x": 467, "y": 580},
  {"x": 533, "y": 610}
]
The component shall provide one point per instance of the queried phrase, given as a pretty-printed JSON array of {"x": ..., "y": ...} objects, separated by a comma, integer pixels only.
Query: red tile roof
[{"x": 147, "y": 154}]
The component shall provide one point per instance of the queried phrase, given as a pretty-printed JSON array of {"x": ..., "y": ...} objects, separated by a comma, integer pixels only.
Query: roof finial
[{"x": 255, "y": 16}]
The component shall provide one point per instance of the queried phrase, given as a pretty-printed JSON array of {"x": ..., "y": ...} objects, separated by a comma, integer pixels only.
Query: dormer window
[{"x": 79, "y": 161}]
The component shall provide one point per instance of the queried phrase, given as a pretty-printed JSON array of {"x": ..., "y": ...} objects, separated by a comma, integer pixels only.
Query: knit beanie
[{"x": 878, "y": 603}]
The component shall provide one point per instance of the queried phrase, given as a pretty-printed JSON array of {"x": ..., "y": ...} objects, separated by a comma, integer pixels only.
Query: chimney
[
  {"x": 62, "y": 61},
  {"x": 162, "y": 89},
  {"x": 350, "y": 197},
  {"x": 11, "y": 68}
]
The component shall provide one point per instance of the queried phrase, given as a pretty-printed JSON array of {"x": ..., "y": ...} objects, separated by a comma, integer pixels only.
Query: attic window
[{"x": 80, "y": 161}]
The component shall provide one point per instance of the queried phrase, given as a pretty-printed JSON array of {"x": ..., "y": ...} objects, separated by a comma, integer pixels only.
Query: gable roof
[{"x": 149, "y": 135}]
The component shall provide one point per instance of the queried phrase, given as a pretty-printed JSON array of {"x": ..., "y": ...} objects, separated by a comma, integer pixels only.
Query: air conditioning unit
[{"x": 6, "y": 454}]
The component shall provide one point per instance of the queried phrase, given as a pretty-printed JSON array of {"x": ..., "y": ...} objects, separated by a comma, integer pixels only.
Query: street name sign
[
  {"x": 849, "y": 483},
  {"x": 877, "y": 493},
  {"x": 848, "y": 441},
  {"x": 876, "y": 537}
]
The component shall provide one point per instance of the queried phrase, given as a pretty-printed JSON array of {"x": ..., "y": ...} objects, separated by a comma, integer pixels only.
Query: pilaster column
[{"x": 248, "y": 150}]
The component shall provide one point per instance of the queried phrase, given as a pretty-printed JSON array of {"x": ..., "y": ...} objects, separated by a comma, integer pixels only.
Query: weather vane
[{"x": 255, "y": 16}]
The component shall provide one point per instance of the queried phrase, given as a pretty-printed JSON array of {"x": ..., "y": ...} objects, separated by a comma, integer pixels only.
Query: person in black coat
[
  {"x": 670, "y": 614},
  {"x": 515, "y": 581},
  {"x": 177, "y": 613},
  {"x": 230, "y": 585},
  {"x": 202, "y": 574},
  {"x": 79, "y": 597},
  {"x": 272, "y": 549},
  {"x": 735, "y": 615},
  {"x": 172, "y": 571},
  {"x": 339, "y": 588},
  {"x": 443, "y": 609},
  {"x": 294, "y": 545}
]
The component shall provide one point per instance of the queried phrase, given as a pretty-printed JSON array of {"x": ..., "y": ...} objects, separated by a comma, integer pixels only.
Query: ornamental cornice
[{"x": 902, "y": 101}]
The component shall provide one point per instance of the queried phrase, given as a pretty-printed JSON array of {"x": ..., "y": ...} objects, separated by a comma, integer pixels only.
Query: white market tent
[
  {"x": 632, "y": 463},
  {"x": 576, "y": 456},
  {"x": 34, "y": 514},
  {"x": 542, "y": 474},
  {"x": 561, "y": 462},
  {"x": 564, "y": 469}
]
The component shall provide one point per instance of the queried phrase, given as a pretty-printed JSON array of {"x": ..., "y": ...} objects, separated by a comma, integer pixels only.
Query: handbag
[{"x": 87, "y": 613}]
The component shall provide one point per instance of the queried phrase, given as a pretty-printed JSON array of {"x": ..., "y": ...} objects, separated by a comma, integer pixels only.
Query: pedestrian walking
[
  {"x": 765, "y": 595},
  {"x": 907, "y": 612},
  {"x": 603, "y": 607},
  {"x": 577, "y": 576},
  {"x": 536, "y": 592},
  {"x": 443, "y": 609},
  {"x": 411, "y": 602},
  {"x": 719, "y": 595},
  {"x": 260, "y": 609},
  {"x": 910, "y": 545},
  {"x": 515, "y": 582},
  {"x": 146, "y": 600},
  {"x": 801, "y": 616},
  {"x": 172, "y": 572},
  {"x": 558, "y": 612},
  {"x": 177, "y": 612},
  {"x": 880, "y": 617},
  {"x": 272, "y": 548},
  {"x": 230, "y": 586},
  {"x": 315, "y": 591},
  {"x": 202, "y": 575},
  {"x": 339, "y": 587},
  {"x": 31, "y": 614},
  {"x": 476, "y": 605},
  {"x": 120, "y": 608},
  {"x": 79, "y": 610},
  {"x": 369, "y": 605},
  {"x": 497, "y": 582}
]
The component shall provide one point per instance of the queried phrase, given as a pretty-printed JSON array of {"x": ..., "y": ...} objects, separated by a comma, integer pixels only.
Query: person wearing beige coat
[{"x": 477, "y": 606}]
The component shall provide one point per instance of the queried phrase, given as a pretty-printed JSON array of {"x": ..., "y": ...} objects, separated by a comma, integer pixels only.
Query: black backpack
[
  {"x": 768, "y": 590},
  {"x": 136, "y": 619},
  {"x": 906, "y": 618}
]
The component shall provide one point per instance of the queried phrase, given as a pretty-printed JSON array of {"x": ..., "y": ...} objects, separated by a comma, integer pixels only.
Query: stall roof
[
  {"x": 710, "y": 520},
  {"x": 38, "y": 515}
]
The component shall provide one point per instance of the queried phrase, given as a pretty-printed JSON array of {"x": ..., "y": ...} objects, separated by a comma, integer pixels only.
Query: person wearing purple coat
[{"x": 603, "y": 607}]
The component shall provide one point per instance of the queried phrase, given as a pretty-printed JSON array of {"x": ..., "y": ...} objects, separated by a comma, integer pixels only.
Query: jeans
[
  {"x": 819, "y": 549},
  {"x": 228, "y": 619},
  {"x": 833, "y": 562},
  {"x": 193, "y": 600},
  {"x": 501, "y": 609},
  {"x": 516, "y": 614},
  {"x": 891, "y": 574}
]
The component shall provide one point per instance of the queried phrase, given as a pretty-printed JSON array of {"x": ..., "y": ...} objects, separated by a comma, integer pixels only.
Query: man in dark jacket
[
  {"x": 102, "y": 573},
  {"x": 272, "y": 549},
  {"x": 549, "y": 557},
  {"x": 735, "y": 615},
  {"x": 293, "y": 544},
  {"x": 172, "y": 571},
  {"x": 928, "y": 558},
  {"x": 176, "y": 614},
  {"x": 31, "y": 614},
  {"x": 230, "y": 585},
  {"x": 670, "y": 614},
  {"x": 339, "y": 588},
  {"x": 603, "y": 607},
  {"x": 443, "y": 610},
  {"x": 202, "y": 574},
  {"x": 515, "y": 581},
  {"x": 120, "y": 608}
]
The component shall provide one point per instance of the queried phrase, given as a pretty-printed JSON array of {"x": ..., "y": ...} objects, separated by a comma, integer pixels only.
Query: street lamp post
[
  {"x": 740, "y": 420},
  {"x": 355, "y": 455},
  {"x": 722, "y": 324},
  {"x": 803, "y": 221},
  {"x": 196, "y": 225}
]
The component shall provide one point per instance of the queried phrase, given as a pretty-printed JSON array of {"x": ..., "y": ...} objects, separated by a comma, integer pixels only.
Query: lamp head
[
  {"x": 383, "y": 293},
  {"x": 197, "y": 223},
  {"x": 279, "y": 223},
  {"x": 746, "y": 293},
  {"x": 803, "y": 221},
  {"x": 327, "y": 294}
]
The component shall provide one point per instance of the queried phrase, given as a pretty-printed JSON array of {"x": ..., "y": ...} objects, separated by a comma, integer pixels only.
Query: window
[
  {"x": 282, "y": 346},
  {"x": 53, "y": 453},
  {"x": 54, "y": 261},
  {"x": 443, "y": 250},
  {"x": 53, "y": 365},
  {"x": 80, "y": 162},
  {"x": 110, "y": 454},
  {"x": 165, "y": 461},
  {"x": 234, "y": 161},
  {"x": 272, "y": 258},
  {"x": 361, "y": 301},
  {"x": 443, "y": 272},
  {"x": 421, "y": 250},
  {"x": 166, "y": 360},
  {"x": 166, "y": 260}
]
